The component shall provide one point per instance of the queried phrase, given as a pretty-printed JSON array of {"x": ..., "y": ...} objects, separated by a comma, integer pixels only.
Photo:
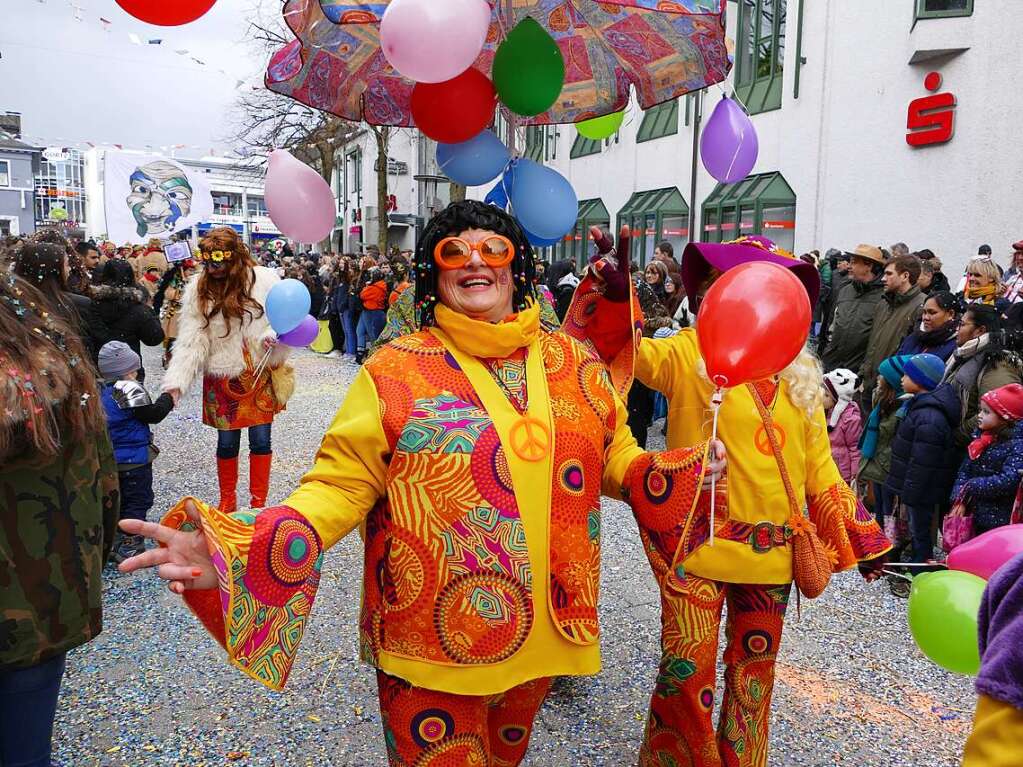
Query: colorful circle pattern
[
  {"x": 482, "y": 617},
  {"x": 288, "y": 548},
  {"x": 430, "y": 726}
]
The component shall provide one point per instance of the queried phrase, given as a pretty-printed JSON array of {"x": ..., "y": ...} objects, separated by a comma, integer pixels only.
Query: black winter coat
[
  {"x": 126, "y": 316},
  {"x": 924, "y": 455}
]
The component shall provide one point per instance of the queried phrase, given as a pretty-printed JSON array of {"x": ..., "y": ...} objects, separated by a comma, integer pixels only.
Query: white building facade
[{"x": 829, "y": 85}]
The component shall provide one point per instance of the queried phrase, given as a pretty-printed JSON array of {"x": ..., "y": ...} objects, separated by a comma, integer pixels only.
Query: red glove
[
  {"x": 871, "y": 569},
  {"x": 608, "y": 268}
]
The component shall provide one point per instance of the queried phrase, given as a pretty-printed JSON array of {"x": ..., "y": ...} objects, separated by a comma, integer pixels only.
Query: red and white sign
[{"x": 931, "y": 119}]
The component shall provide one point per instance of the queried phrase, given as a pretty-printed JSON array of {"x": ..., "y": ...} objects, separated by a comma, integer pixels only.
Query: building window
[
  {"x": 227, "y": 204},
  {"x": 760, "y": 54},
  {"x": 763, "y": 204},
  {"x": 583, "y": 147},
  {"x": 5, "y": 173},
  {"x": 60, "y": 197},
  {"x": 653, "y": 216},
  {"x": 535, "y": 140},
  {"x": 257, "y": 206},
  {"x": 659, "y": 121},
  {"x": 943, "y": 9}
]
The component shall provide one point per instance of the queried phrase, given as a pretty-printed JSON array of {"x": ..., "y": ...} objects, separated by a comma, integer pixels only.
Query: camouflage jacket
[{"x": 57, "y": 522}]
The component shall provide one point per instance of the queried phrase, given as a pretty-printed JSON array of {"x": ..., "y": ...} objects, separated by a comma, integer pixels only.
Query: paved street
[{"x": 153, "y": 689}]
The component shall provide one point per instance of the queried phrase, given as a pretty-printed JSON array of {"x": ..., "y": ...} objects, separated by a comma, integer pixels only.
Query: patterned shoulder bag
[{"x": 811, "y": 566}]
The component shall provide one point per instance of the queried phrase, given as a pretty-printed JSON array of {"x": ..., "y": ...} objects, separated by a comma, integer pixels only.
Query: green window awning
[
  {"x": 667, "y": 201},
  {"x": 768, "y": 188},
  {"x": 582, "y": 147},
  {"x": 658, "y": 121},
  {"x": 593, "y": 211}
]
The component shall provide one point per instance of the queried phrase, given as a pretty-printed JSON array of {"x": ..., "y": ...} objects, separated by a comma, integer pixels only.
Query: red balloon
[
  {"x": 455, "y": 110},
  {"x": 753, "y": 323},
  {"x": 166, "y": 13}
]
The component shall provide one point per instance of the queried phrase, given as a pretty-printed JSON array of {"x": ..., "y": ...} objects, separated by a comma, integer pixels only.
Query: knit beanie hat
[
  {"x": 925, "y": 370},
  {"x": 116, "y": 359},
  {"x": 892, "y": 370},
  {"x": 1007, "y": 401}
]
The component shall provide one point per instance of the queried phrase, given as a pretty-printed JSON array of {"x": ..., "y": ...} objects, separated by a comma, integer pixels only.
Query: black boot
[{"x": 359, "y": 357}]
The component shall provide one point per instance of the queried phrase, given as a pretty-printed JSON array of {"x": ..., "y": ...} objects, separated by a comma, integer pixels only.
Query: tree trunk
[
  {"x": 383, "y": 136},
  {"x": 327, "y": 159},
  {"x": 457, "y": 191}
]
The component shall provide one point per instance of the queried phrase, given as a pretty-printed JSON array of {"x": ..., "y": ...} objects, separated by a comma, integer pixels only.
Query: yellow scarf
[
  {"x": 985, "y": 295},
  {"x": 487, "y": 339}
]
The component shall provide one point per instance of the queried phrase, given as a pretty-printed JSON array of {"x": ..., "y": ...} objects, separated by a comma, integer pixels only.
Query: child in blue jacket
[{"x": 129, "y": 414}]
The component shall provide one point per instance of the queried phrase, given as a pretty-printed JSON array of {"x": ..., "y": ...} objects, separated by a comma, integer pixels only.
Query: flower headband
[{"x": 214, "y": 255}]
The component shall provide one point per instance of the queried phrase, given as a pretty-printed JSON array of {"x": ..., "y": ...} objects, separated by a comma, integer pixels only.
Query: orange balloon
[{"x": 753, "y": 323}]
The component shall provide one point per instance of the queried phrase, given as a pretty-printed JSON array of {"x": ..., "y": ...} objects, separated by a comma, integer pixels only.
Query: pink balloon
[
  {"x": 303, "y": 335},
  {"x": 298, "y": 200},
  {"x": 430, "y": 41},
  {"x": 986, "y": 553},
  {"x": 729, "y": 146}
]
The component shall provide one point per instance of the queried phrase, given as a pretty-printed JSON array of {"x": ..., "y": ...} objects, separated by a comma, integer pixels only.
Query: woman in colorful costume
[
  {"x": 223, "y": 334},
  {"x": 777, "y": 440},
  {"x": 473, "y": 454}
]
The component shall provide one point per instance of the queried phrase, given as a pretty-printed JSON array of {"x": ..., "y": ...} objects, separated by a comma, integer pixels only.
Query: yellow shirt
[
  {"x": 997, "y": 737},
  {"x": 350, "y": 475},
  {"x": 755, "y": 490}
]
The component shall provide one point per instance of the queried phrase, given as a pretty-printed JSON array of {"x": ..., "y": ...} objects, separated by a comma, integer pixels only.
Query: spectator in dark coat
[
  {"x": 936, "y": 333},
  {"x": 121, "y": 305},
  {"x": 562, "y": 282},
  {"x": 990, "y": 475},
  {"x": 45, "y": 265},
  {"x": 924, "y": 457},
  {"x": 938, "y": 281},
  {"x": 854, "y": 310}
]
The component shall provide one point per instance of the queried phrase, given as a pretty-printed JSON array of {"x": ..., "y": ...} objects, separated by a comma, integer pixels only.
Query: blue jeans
[
  {"x": 348, "y": 323},
  {"x": 884, "y": 503},
  {"x": 920, "y": 519},
  {"x": 136, "y": 492},
  {"x": 229, "y": 443},
  {"x": 28, "y": 703},
  {"x": 371, "y": 324}
]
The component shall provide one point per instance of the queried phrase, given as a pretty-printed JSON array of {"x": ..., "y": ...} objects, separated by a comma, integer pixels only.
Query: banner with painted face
[{"x": 150, "y": 196}]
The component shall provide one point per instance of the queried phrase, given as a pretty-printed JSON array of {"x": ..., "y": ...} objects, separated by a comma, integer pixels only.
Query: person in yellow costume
[
  {"x": 779, "y": 460},
  {"x": 472, "y": 455}
]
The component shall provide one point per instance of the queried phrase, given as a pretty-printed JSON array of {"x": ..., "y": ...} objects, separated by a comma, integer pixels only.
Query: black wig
[{"x": 452, "y": 221}]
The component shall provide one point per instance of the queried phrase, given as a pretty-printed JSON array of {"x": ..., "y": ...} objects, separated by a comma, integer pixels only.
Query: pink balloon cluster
[
  {"x": 298, "y": 200},
  {"x": 984, "y": 554}
]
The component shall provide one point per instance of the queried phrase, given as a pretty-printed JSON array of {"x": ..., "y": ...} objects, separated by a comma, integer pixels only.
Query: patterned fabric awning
[{"x": 662, "y": 48}]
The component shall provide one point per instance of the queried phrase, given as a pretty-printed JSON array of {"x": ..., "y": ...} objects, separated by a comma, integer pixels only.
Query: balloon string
[{"x": 715, "y": 403}]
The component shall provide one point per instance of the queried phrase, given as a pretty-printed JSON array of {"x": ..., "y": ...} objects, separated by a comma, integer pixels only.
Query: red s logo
[{"x": 931, "y": 119}]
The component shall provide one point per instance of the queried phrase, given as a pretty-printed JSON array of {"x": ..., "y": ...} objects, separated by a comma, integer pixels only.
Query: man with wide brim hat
[
  {"x": 778, "y": 445},
  {"x": 854, "y": 310}
]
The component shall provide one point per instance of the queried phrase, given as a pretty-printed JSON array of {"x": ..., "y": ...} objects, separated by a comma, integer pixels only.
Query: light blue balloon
[
  {"x": 542, "y": 200},
  {"x": 473, "y": 162},
  {"x": 287, "y": 304},
  {"x": 540, "y": 242}
]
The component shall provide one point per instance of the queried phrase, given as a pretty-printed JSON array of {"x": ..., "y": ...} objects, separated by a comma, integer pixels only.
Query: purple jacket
[
  {"x": 1001, "y": 635},
  {"x": 845, "y": 442}
]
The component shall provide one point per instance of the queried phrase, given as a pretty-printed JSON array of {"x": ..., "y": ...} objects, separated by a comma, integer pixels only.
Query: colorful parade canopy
[{"x": 663, "y": 49}]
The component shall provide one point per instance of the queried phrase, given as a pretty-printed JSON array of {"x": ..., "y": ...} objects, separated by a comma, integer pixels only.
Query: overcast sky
[{"x": 83, "y": 80}]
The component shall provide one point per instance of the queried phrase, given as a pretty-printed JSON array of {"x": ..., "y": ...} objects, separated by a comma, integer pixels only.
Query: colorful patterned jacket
[{"x": 481, "y": 527}]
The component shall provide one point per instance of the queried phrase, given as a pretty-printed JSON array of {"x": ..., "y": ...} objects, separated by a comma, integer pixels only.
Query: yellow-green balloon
[
  {"x": 601, "y": 127},
  {"x": 528, "y": 71},
  {"x": 943, "y": 611}
]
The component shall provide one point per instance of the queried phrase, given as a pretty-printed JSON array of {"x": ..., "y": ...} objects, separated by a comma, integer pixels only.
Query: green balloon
[
  {"x": 601, "y": 127},
  {"x": 529, "y": 71},
  {"x": 943, "y": 609}
]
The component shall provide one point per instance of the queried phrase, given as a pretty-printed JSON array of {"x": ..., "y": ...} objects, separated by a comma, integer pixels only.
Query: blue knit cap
[
  {"x": 891, "y": 370},
  {"x": 926, "y": 370}
]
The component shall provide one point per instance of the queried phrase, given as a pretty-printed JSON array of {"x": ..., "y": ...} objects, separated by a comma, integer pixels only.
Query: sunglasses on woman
[{"x": 454, "y": 252}]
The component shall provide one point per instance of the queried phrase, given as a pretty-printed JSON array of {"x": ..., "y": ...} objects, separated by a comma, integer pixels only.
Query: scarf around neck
[
  {"x": 488, "y": 339},
  {"x": 985, "y": 295}
]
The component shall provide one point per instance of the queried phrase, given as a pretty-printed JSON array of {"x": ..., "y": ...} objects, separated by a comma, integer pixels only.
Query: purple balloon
[
  {"x": 303, "y": 335},
  {"x": 729, "y": 146}
]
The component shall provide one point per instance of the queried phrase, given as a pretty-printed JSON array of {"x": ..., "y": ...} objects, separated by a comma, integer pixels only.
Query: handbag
[
  {"x": 957, "y": 527},
  {"x": 282, "y": 380},
  {"x": 811, "y": 565}
]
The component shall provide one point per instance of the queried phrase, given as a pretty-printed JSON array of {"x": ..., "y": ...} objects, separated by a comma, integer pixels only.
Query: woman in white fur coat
[{"x": 223, "y": 334}]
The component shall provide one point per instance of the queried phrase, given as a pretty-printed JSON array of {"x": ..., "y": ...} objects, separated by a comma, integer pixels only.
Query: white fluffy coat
[{"x": 205, "y": 350}]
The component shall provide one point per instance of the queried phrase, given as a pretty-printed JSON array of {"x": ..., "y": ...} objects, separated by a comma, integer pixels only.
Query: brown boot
[
  {"x": 227, "y": 477},
  {"x": 259, "y": 478}
]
